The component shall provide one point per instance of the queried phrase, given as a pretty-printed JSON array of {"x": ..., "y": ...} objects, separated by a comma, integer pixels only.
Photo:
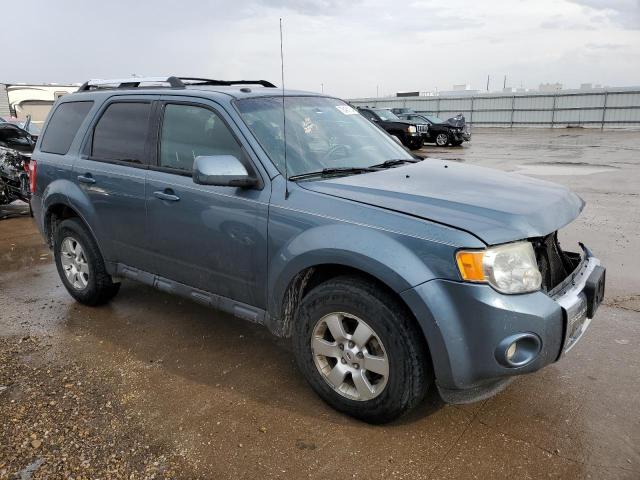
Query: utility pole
[
  {"x": 504, "y": 84},
  {"x": 487, "y": 83}
]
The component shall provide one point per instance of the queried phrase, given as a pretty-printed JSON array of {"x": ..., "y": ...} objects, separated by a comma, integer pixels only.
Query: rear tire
[
  {"x": 394, "y": 361},
  {"x": 80, "y": 264}
]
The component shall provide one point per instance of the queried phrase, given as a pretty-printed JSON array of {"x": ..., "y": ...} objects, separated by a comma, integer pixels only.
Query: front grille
[
  {"x": 422, "y": 128},
  {"x": 553, "y": 263}
]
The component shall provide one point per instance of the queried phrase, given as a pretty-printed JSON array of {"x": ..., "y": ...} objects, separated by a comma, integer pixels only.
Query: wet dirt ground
[{"x": 153, "y": 386}]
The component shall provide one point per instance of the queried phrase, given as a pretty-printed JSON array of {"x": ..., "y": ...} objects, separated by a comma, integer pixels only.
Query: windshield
[
  {"x": 387, "y": 115},
  {"x": 321, "y": 133},
  {"x": 434, "y": 119}
]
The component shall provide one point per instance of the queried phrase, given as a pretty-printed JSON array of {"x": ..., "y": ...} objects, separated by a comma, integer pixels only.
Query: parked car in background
[
  {"x": 16, "y": 146},
  {"x": 29, "y": 127},
  {"x": 442, "y": 132},
  {"x": 390, "y": 274},
  {"x": 410, "y": 133},
  {"x": 401, "y": 111}
]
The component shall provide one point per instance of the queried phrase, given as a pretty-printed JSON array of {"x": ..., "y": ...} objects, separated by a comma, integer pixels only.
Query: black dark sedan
[
  {"x": 409, "y": 132},
  {"x": 441, "y": 132}
]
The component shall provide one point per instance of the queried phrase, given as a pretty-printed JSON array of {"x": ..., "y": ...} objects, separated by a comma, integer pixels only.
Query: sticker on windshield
[{"x": 347, "y": 110}]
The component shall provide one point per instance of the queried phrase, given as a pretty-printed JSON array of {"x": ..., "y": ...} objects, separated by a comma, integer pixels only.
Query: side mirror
[{"x": 222, "y": 171}]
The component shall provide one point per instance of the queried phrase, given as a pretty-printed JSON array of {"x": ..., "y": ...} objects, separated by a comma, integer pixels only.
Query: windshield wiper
[
  {"x": 325, "y": 172},
  {"x": 393, "y": 163}
]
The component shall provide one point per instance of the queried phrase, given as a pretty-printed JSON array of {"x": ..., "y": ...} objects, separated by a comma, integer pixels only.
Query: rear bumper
[
  {"x": 36, "y": 207},
  {"x": 468, "y": 327}
]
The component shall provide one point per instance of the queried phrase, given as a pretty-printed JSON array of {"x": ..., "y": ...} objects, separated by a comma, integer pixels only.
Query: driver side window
[
  {"x": 189, "y": 131},
  {"x": 368, "y": 115}
]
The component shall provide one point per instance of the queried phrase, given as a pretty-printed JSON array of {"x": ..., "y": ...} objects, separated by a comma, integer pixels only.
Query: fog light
[{"x": 518, "y": 350}]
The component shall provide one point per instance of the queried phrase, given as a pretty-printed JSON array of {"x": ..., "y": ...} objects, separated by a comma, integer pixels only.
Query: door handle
[
  {"x": 86, "y": 178},
  {"x": 166, "y": 195}
]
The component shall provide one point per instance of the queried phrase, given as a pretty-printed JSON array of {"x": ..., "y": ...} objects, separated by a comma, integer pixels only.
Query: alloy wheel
[
  {"x": 350, "y": 356},
  {"x": 74, "y": 263}
]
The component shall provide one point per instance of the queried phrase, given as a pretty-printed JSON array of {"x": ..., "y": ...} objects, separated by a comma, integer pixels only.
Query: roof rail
[
  {"x": 209, "y": 81},
  {"x": 132, "y": 82},
  {"x": 174, "y": 82}
]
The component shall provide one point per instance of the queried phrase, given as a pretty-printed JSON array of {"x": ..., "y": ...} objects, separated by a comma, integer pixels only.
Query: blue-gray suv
[{"x": 391, "y": 274}]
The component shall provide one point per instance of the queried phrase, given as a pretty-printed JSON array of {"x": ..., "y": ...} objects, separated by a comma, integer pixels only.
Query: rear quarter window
[
  {"x": 63, "y": 126},
  {"x": 121, "y": 132}
]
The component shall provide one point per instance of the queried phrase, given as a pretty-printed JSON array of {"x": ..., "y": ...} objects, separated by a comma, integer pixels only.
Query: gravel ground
[{"x": 153, "y": 386}]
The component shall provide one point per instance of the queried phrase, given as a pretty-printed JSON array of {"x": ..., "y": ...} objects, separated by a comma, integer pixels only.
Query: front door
[
  {"x": 212, "y": 238},
  {"x": 111, "y": 171}
]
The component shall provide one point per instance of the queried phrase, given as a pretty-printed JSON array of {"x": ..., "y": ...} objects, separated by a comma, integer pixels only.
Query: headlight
[
  {"x": 510, "y": 268},
  {"x": 411, "y": 129}
]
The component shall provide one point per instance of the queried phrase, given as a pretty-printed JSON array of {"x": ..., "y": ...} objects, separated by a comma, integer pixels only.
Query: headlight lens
[
  {"x": 412, "y": 129},
  {"x": 510, "y": 268}
]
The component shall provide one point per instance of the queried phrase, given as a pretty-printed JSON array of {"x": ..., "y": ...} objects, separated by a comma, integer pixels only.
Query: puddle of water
[{"x": 563, "y": 169}]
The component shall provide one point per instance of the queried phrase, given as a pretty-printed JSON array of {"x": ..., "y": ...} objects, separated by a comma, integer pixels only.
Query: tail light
[{"x": 33, "y": 169}]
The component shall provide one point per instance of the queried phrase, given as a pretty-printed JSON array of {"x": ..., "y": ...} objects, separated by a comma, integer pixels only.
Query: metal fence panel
[
  {"x": 623, "y": 99},
  {"x": 491, "y": 117},
  {"x": 622, "y": 115},
  {"x": 497, "y": 103},
  {"x": 533, "y": 116},
  {"x": 534, "y": 102},
  {"x": 455, "y": 104},
  {"x": 580, "y": 101},
  {"x": 613, "y": 107},
  {"x": 578, "y": 116}
]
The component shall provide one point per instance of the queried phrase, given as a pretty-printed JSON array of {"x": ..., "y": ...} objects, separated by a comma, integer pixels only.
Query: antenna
[{"x": 284, "y": 120}]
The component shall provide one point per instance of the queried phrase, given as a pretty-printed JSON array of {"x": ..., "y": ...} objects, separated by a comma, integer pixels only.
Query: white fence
[{"x": 602, "y": 108}]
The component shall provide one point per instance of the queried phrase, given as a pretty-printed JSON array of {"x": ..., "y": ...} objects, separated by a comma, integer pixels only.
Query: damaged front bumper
[
  {"x": 580, "y": 295},
  {"x": 469, "y": 328}
]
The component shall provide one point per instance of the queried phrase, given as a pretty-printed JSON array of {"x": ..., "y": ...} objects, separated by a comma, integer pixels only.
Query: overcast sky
[{"x": 352, "y": 47}]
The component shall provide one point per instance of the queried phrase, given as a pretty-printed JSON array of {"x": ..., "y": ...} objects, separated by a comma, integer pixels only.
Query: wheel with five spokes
[
  {"x": 360, "y": 350},
  {"x": 80, "y": 264}
]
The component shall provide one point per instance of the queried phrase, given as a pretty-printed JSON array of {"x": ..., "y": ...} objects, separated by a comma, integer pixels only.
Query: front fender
[{"x": 377, "y": 253}]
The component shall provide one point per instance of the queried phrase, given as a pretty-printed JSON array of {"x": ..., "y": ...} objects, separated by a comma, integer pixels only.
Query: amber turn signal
[{"x": 470, "y": 265}]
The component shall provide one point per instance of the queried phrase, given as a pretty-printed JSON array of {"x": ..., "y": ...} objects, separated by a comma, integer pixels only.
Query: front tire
[
  {"x": 442, "y": 139},
  {"x": 80, "y": 264},
  {"x": 360, "y": 350},
  {"x": 416, "y": 145}
]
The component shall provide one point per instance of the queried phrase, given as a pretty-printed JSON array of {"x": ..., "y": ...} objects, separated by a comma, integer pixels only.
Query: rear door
[
  {"x": 208, "y": 237},
  {"x": 112, "y": 169}
]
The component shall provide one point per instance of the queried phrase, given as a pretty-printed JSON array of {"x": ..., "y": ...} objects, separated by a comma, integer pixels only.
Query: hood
[
  {"x": 495, "y": 206},
  {"x": 456, "y": 122},
  {"x": 400, "y": 122}
]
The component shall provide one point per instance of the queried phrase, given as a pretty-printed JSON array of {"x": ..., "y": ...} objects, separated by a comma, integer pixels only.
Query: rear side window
[
  {"x": 63, "y": 126},
  {"x": 121, "y": 132}
]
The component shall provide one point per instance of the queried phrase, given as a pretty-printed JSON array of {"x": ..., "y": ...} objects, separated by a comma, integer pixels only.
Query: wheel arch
[
  {"x": 63, "y": 199},
  {"x": 328, "y": 251}
]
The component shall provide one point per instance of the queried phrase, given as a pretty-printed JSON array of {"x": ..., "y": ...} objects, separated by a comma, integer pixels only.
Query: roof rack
[
  {"x": 174, "y": 82},
  {"x": 132, "y": 82},
  {"x": 209, "y": 81}
]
